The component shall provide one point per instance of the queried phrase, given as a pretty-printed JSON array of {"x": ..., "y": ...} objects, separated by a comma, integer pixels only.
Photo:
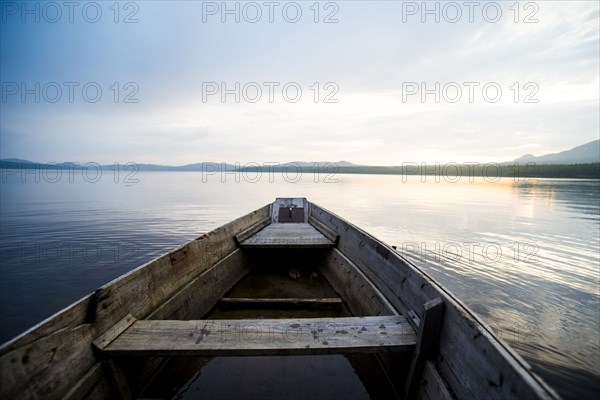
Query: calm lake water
[{"x": 522, "y": 254}]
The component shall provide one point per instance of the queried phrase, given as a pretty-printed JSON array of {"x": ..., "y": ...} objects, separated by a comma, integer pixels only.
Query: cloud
[{"x": 368, "y": 56}]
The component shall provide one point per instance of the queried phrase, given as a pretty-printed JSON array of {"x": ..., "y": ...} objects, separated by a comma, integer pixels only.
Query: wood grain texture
[
  {"x": 57, "y": 352},
  {"x": 363, "y": 298},
  {"x": 282, "y": 303},
  {"x": 196, "y": 298},
  {"x": 360, "y": 295},
  {"x": 328, "y": 233},
  {"x": 296, "y": 336},
  {"x": 115, "y": 331},
  {"x": 432, "y": 385},
  {"x": 288, "y": 235},
  {"x": 245, "y": 234},
  {"x": 114, "y": 370},
  {"x": 55, "y": 358},
  {"x": 287, "y": 202},
  {"x": 471, "y": 359},
  {"x": 427, "y": 340},
  {"x": 83, "y": 386}
]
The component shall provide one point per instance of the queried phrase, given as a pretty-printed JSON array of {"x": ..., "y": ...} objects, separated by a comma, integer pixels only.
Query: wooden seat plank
[
  {"x": 263, "y": 337},
  {"x": 283, "y": 303},
  {"x": 287, "y": 235}
]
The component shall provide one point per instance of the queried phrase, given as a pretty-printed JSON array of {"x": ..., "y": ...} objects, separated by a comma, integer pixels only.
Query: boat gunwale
[
  {"x": 73, "y": 316},
  {"x": 504, "y": 349},
  {"x": 73, "y": 327}
]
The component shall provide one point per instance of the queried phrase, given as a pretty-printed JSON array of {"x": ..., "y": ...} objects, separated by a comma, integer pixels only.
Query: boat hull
[{"x": 56, "y": 359}]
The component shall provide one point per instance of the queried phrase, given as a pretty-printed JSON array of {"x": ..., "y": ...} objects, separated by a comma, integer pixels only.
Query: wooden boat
[{"x": 288, "y": 279}]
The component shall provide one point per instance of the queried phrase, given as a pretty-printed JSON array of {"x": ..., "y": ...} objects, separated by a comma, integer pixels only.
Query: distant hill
[
  {"x": 16, "y": 161},
  {"x": 586, "y": 153},
  {"x": 210, "y": 166},
  {"x": 203, "y": 166},
  {"x": 579, "y": 162},
  {"x": 323, "y": 163}
]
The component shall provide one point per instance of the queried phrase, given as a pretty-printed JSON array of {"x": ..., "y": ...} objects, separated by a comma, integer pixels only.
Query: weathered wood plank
[
  {"x": 485, "y": 361},
  {"x": 427, "y": 340},
  {"x": 264, "y": 337},
  {"x": 68, "y": 348},
  {"x": 117, "y": 375},
  {"x": 361, "y": 296},
  {"x": 70, "y": 316},
  {"x": 115, "y": 331},
  {"x": 102, "y": 390},
  {"x": 287, "y": 235},
  {"x": 200, "y": 295},
  {"x": 373, "y": 258},
  {"x": 85, "y": 384},
  {"x": 432, "y": 385},
  {"x": 245, "y": 234},
  {"x": 146, "y": 288},
  {"x": 471, "y": 359},
  {"x": 58, "y": 352},
  {"x": 328, "y": 233},
  {"x": 287, "y": 202},
  {"x": 282, "y": 303}
]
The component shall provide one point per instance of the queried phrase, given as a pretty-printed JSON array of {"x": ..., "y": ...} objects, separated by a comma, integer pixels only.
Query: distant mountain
[
  {"x": 20, "y": 163},
  {"x": 16, "y": 161},
  {"x": 204, "y": 166},
  {"x": 322, "y": 163},
  {"x": 586, "y": 153}
]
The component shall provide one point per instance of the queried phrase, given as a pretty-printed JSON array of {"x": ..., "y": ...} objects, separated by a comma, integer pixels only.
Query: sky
[{"x": 377, "y": 83}]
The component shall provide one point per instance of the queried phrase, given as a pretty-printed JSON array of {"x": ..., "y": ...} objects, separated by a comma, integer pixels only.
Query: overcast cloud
[{"x": 373, "y": 58}]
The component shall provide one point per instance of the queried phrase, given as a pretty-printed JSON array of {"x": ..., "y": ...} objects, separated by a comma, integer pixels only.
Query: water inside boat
[{"x": 292, "y": 280}]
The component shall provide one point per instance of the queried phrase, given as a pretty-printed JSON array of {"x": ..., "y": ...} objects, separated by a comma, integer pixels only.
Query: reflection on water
[
  {"x": 523, "y": 255},
  {"x": 298, "y": 377}
]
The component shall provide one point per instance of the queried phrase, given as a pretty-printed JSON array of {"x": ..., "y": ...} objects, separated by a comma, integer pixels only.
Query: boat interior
[
  {"x": 287, "y": 301},
  {"x": 286, "y": 286},
  {"x": 297, "y": 320}
]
